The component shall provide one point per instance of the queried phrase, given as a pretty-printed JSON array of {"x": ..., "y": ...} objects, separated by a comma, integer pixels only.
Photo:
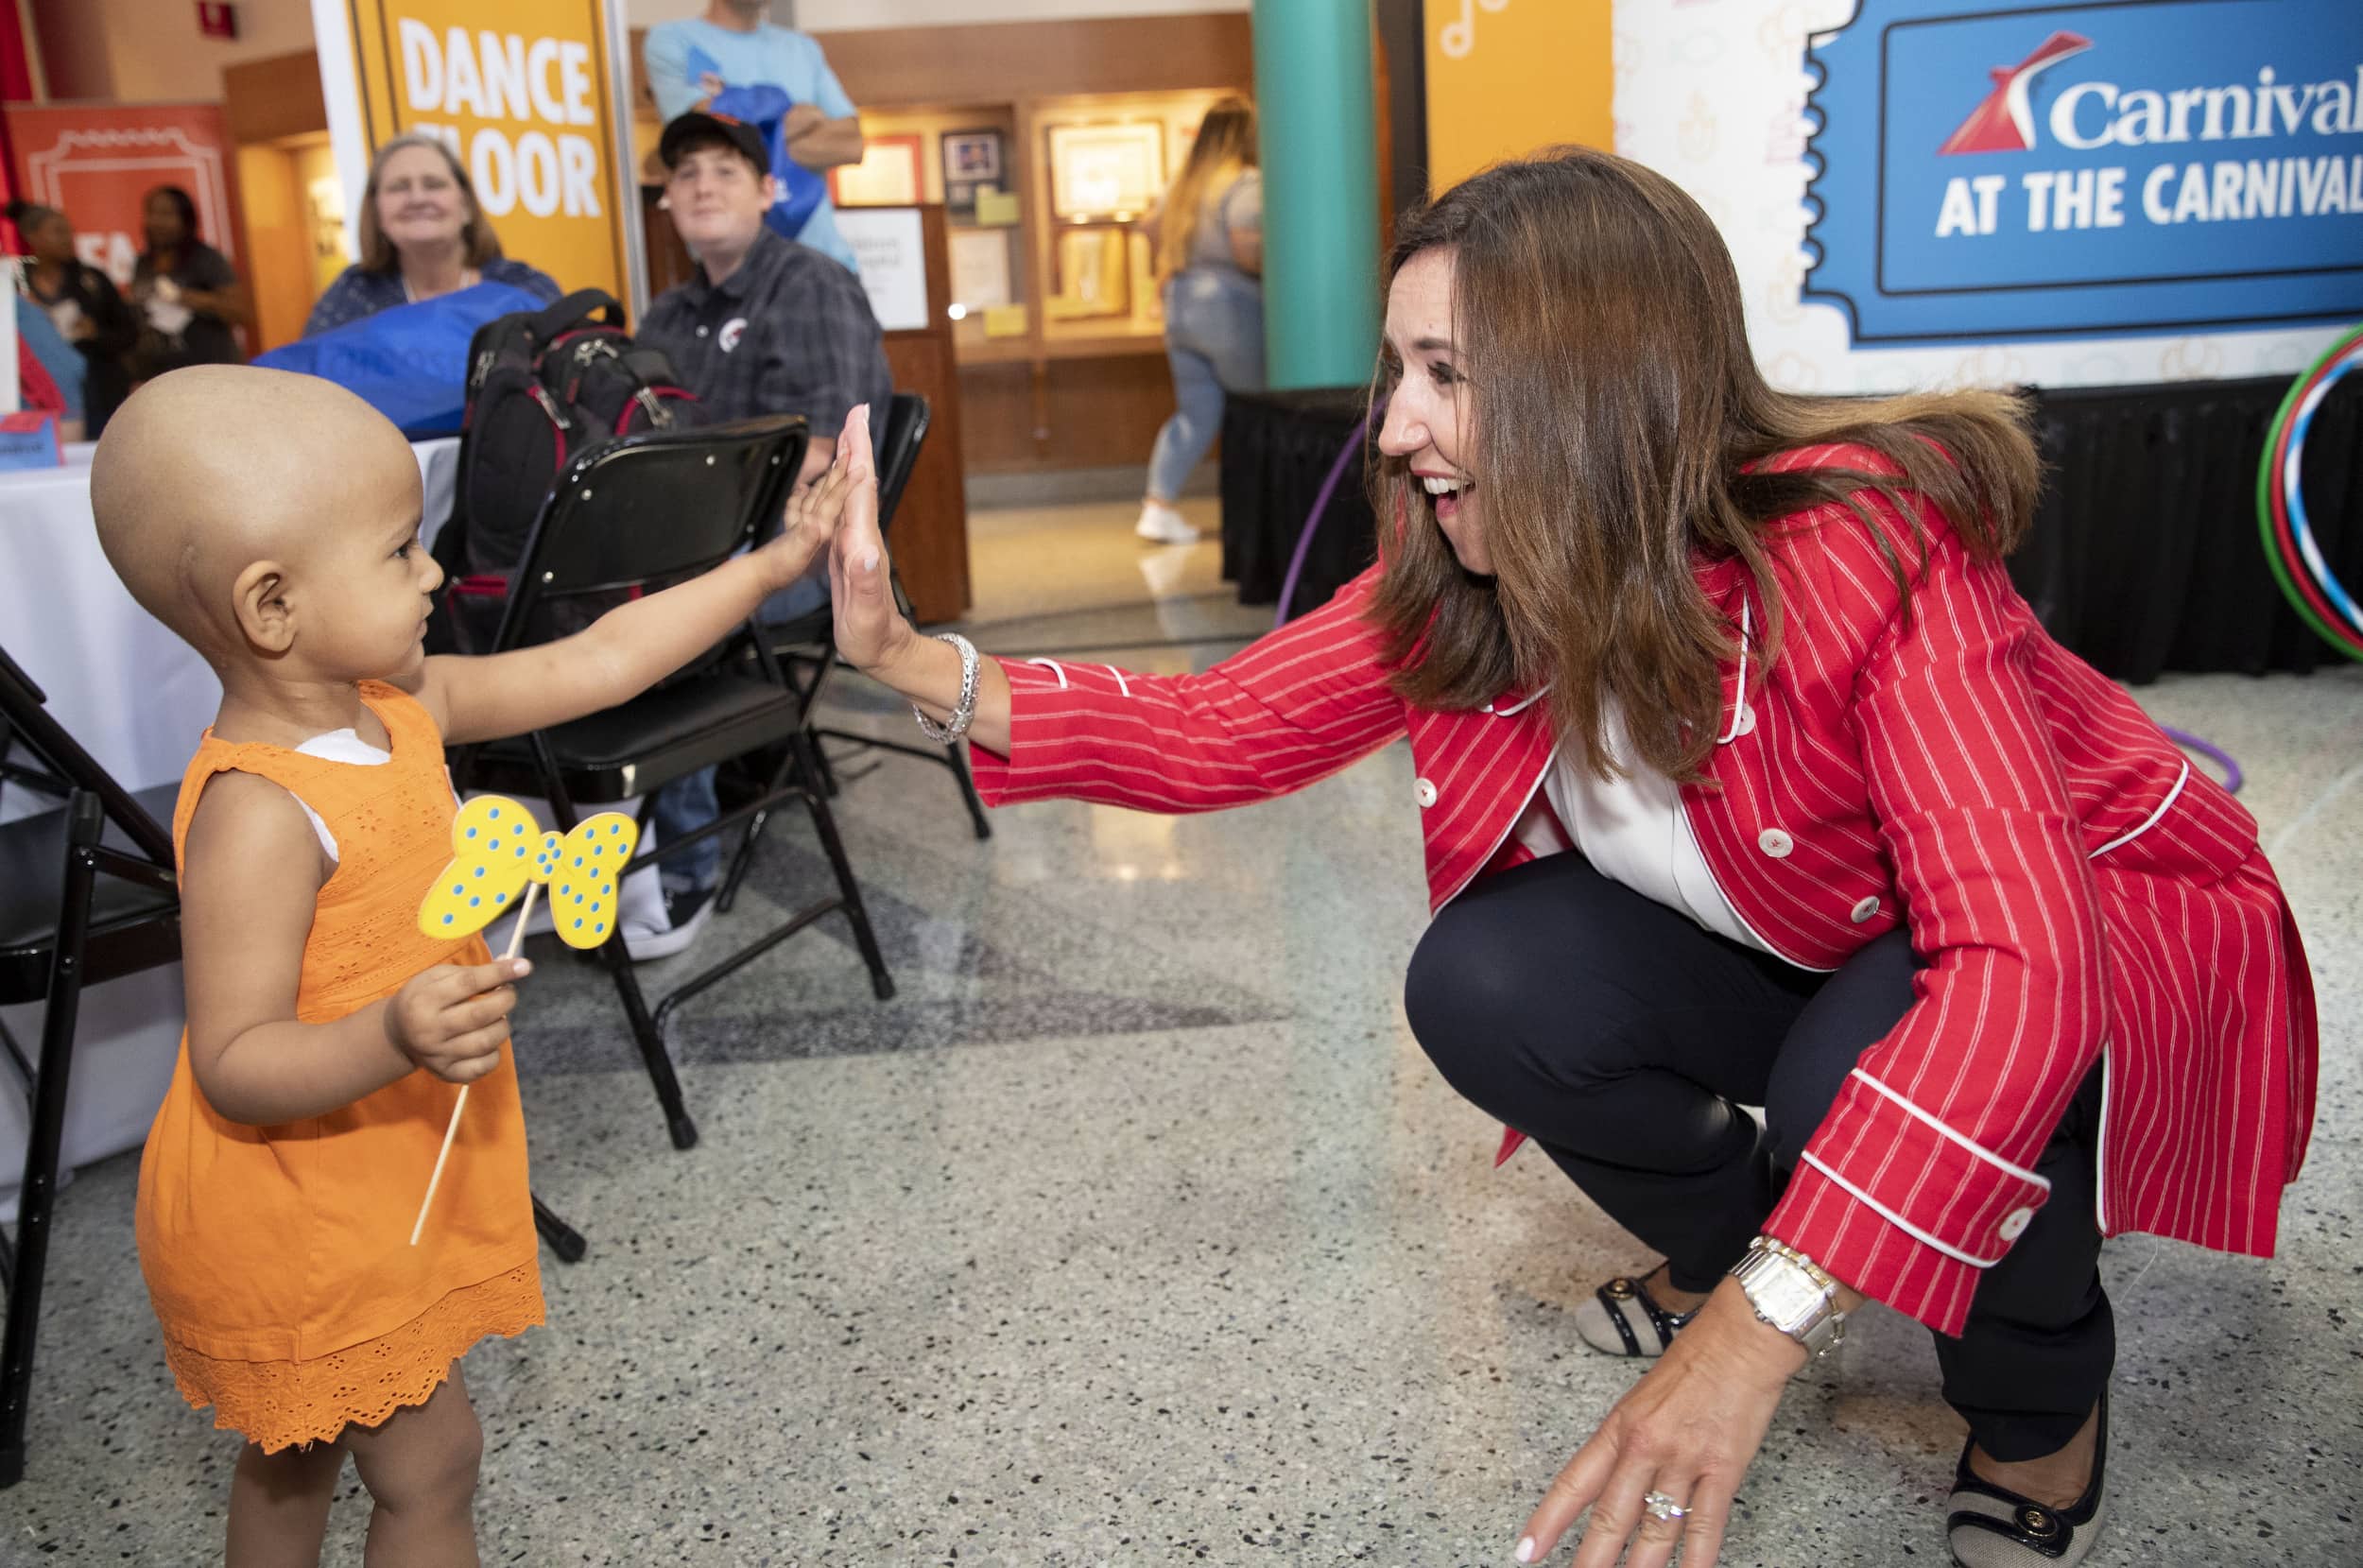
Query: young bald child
[{"x": 272, "y": 520}]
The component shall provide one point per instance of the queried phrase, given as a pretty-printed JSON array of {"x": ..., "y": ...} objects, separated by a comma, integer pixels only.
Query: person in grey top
[
  {"x": 1209, "y": 238},
  {"x": 421, "y": 234}
]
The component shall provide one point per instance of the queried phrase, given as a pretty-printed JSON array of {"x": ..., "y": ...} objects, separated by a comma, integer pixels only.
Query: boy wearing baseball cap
[{"x": 764, "y": 326}]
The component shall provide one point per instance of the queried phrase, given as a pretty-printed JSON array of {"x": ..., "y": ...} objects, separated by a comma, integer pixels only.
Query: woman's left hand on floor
[{"x": 1689, "y": 1429}]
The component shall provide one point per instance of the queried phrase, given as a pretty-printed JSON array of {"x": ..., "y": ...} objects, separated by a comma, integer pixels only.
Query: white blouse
[{"x": 1634, "y": 830}]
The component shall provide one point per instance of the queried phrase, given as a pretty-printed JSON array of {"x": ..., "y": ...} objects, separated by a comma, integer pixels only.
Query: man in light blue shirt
[{"x": 736, "y": 45}]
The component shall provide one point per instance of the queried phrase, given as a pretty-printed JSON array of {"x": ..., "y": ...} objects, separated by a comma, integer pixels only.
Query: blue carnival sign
[{"x": 2121, "y": 166}]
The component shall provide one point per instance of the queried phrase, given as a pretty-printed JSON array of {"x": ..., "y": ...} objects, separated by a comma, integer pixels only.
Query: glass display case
[{"x": 1045, "y": 199}]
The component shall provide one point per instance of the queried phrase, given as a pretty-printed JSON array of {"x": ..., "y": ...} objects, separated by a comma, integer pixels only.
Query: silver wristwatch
[{"x": 1790, "y": 1292}]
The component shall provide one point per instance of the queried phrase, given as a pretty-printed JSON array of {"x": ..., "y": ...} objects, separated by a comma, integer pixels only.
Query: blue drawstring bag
[
  {"x": 409, "y": 363},
  {"x": 766, "y": 108}
]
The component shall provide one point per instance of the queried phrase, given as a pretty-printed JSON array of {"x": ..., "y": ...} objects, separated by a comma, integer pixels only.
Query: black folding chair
[
  {"x": 87, "y": 895},
  {"x": 807, "y": 646},
  {"x": 631, "y": 514}
]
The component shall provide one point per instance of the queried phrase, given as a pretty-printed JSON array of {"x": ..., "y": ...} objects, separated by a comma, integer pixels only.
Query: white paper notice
[{"x": 887, "y": 242}]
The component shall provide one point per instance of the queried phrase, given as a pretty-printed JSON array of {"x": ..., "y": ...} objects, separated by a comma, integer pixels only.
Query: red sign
[
  {"x": 215, "y": 20},
  {"x": 96, "y": 163}
]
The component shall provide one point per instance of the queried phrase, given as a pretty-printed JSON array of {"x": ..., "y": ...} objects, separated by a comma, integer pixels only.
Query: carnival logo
[
  {"x": 2151, "y": 166},
  {"x": 2006, "y": 121},
  {"x": 2092, "y": 114}
]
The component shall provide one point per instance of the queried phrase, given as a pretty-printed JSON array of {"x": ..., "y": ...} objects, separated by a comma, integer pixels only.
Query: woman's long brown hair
[
  {"x": 1614, "y": 409},
  {"x": 1225, "y": 145}
]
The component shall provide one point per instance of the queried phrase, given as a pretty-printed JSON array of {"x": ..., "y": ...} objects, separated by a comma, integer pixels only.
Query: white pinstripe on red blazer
[{"x": 2074, "y": 888}]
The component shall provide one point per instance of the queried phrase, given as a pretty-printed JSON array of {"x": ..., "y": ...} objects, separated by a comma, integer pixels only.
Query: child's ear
[{"x": 256, "y": 600}]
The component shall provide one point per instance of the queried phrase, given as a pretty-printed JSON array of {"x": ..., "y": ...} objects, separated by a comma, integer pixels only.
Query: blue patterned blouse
[{"x": 357, "y": 293}]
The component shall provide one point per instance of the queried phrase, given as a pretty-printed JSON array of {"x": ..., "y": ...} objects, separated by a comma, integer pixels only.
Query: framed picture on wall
[
  {"x": 973, "y": 160},
  {"x": 888, "y": 176},
  {"x": 1093, "y": 273},
  {"x": 981, "y": 270},
  {"x": 1102, "y": 172}
]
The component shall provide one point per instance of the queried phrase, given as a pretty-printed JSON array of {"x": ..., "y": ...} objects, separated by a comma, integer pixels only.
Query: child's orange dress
[{"x": 279, "y": 1257}]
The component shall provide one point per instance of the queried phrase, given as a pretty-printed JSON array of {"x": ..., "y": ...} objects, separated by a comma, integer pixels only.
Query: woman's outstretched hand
[
  {"x": 1688, "y": 1429},
  {"x": 869, "y": 630}
]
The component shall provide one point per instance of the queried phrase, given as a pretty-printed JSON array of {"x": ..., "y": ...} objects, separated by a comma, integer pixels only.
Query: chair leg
[
  {"x": 44, "y": 1137},
  {"x": 958, "y": 761},
  {"x": 563, "y": 1238},
  {"x": 824, "y": 771},
  {"x": 744, "y": 861},
  {"x": 645, "y": 1032},
  {"x": 824, "y": 824},
  {"x": 650, "y": 1040}
]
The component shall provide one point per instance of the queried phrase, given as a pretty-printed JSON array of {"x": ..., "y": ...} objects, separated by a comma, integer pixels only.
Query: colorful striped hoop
[{"x": 2312, "y": 589}]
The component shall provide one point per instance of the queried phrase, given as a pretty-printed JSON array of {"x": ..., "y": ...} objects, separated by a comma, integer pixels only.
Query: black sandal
[
  {"x": 1609, "y": 1324},
  {"x": 1989, "y": 1528}
]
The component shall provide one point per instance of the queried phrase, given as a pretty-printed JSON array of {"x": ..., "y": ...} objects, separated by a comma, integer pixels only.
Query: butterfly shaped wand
[{"x": 498, "y": 852}]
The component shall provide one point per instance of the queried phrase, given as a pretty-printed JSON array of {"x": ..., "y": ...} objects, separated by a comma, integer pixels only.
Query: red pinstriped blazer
[{"x": 2074, "y": 888}]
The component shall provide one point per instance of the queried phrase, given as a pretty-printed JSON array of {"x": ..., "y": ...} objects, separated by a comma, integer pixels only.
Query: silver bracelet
[{"x": 964, "y": 711}]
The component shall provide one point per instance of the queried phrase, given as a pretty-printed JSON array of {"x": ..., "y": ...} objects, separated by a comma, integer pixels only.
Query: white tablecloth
[{"x": 138, "y": 699}]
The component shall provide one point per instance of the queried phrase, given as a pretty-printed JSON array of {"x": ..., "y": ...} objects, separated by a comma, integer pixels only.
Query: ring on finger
[{"x": 1662, "y": 1509}]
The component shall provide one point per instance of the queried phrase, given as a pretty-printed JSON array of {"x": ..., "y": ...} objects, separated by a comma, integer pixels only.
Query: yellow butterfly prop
[
  {"x": 497, "y": 848},
  {"x": 497, "y": 851}
]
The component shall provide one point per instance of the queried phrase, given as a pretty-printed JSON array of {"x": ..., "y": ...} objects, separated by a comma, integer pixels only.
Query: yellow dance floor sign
[{"x": 524, "y": 92}]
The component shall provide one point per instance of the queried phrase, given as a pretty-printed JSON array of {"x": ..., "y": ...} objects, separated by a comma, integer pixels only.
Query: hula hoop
[
  {"x": 2289, "y": 563},
  {"x": 2294, "y": 566},
  {"x": 2291, "y": 550}
]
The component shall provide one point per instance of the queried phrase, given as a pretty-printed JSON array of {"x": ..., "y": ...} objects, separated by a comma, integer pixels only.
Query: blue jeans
[
  {"x": 1215, "y": 342},
  {"x": 682, "y": 808},
  {"x": 689, "y": 803}
]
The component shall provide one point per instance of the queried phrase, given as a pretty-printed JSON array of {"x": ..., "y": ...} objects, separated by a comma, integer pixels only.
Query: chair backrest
[
  {"x": 25, "y": 714},
  {"x": 900, "y": 434},
  {"x": 651, "y": 509}
]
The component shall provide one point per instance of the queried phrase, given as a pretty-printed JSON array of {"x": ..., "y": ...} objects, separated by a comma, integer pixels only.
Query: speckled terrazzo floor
[{"x": 1137, "y": 1230}]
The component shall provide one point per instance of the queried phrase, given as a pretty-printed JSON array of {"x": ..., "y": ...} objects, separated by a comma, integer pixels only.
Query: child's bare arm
[
  {"x": 634, "y": 645},
  {"x": 251, "y": 873}
]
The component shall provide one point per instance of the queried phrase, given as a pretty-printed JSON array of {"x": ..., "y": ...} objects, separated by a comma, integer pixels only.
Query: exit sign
[{"x": 216, "y": 20}]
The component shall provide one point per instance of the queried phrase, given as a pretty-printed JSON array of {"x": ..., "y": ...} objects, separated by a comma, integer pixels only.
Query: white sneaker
[
  {"x": 1161, "y": 524},
  {"x": 685, "y": 915}
]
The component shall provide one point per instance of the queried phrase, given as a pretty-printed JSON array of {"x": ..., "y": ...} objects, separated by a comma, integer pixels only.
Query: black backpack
[{"x": 543, "y": 388}]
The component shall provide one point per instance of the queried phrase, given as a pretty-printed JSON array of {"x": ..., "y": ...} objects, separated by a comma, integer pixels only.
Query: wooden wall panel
[
  {"x": 930, "y": 530},
  {"x": 278, "y": 248},
  {"x": 997, "y": 63},
  {"x": 930, "y": 527},
  {"x": 265, "y": 99},
  {"x": 1082, "y": 413}
]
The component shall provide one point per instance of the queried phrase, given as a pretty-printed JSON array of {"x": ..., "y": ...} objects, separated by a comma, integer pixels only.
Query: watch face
[{"x": 1785, "y": 1296}]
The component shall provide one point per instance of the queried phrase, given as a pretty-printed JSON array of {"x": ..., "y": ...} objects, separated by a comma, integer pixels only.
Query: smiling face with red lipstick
[{"x": 1428, "y": 427}]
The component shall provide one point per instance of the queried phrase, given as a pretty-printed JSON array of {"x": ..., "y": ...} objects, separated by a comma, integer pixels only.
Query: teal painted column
[{"x": 1317, "y": 139}]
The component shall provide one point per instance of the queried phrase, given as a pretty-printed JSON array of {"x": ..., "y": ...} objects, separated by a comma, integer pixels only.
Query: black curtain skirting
[
  {"x": 2143, "y": 557},
  {"x": 1277, "y": 448}
]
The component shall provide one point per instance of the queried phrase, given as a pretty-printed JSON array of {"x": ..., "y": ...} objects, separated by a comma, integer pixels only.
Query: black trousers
[{"x": 1624, "y": 1040}]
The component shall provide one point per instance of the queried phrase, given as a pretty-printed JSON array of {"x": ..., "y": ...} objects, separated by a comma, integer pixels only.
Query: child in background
[{"x": 272, "y": 521}]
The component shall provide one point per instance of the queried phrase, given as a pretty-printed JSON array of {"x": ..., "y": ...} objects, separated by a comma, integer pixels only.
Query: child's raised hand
[
  {"x": 815, "y": 510},
  {"x": 451, "y": 1019}
]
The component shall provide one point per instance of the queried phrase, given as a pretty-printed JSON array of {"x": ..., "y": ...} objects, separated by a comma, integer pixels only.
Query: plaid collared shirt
[{"x": 789, "y": 333}]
